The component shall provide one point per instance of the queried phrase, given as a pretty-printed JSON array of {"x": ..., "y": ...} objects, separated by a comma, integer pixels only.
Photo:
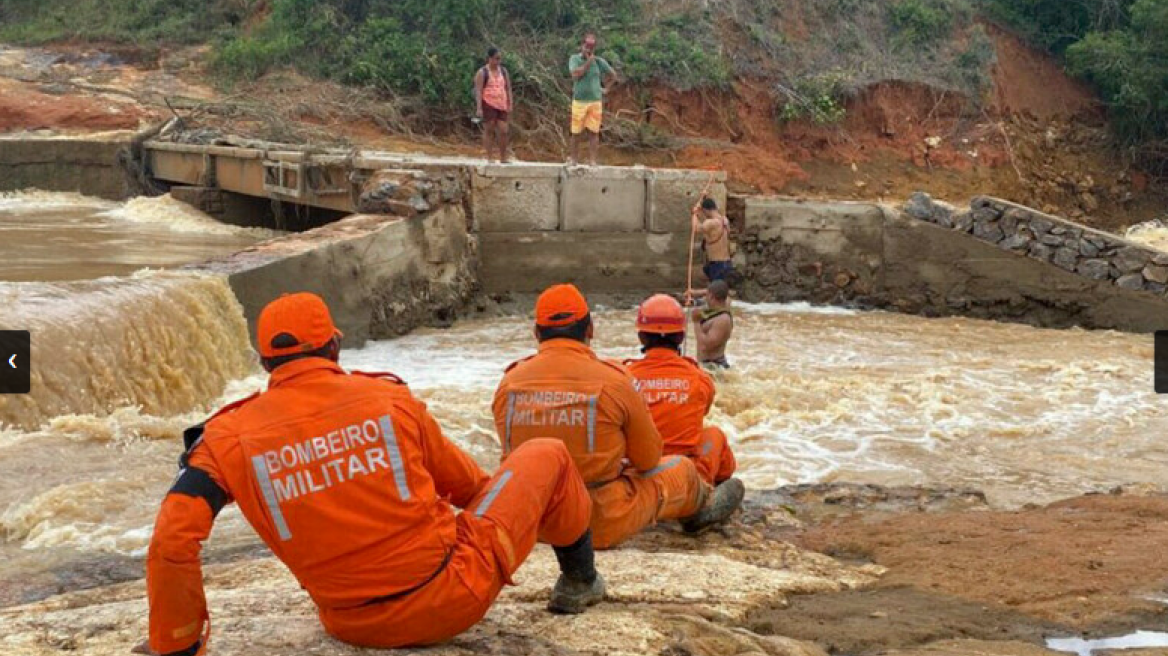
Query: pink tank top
[{"x": 495, "y": 90}]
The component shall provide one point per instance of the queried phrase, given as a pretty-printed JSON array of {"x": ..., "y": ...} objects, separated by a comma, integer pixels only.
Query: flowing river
[{"x": 816, "y": 394}]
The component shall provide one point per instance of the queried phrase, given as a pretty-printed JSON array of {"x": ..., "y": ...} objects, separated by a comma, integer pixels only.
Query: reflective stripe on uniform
[
  {"x": 669, "y": 464},
  {"x": 395, "y": 457},
  {"x": 591, "y": 424},
  {"x": 265, "y": 482},
  {"x": 495, "y": 490},
  {"x": 507, "y": 425},
  {"x": 707, "y": 447}
]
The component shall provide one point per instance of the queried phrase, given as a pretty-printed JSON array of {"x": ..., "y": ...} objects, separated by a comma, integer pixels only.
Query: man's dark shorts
[
  {"x": 720, "y": 270},
  {"x": 491, "y": 114},
  {"x": 719, "y": 362}
]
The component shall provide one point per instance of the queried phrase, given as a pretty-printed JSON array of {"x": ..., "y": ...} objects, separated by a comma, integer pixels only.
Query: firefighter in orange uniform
[
  {"x": 351, "y": 483},
  {"x": 678, "y": 392},
  {"x": 565, "y": 391}
]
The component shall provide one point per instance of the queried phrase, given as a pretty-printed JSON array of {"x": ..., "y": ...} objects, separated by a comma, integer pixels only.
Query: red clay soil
[
  {"x": 22, "y": 107},
  {"x": 1028, "y": 82}
]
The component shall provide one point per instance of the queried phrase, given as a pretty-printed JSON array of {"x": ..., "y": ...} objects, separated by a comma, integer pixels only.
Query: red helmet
[{"x": 660, "y": 314}]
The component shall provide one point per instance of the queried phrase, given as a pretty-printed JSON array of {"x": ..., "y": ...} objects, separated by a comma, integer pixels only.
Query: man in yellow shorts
[{"x": 588, "y": 72}]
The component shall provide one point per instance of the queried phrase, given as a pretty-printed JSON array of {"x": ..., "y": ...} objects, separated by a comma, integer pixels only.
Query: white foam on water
[
  {"x": 1153, "y": 234},
  {"x": 1026, "y": 414},
  {"x": 35, "y": 201},
  {"x": 1137, "y": 640},
  {"x": 798, "y": 307},
  {"x": 164, "y": 212}
]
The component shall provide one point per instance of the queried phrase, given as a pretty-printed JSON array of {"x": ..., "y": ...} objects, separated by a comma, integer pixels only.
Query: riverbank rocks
[
  {"x": 1090, "y": 253},
  {"x": 407, "y": 193}
]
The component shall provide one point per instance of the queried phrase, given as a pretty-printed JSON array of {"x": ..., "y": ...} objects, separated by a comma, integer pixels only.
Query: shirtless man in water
[
  {"x": 715, "y": 231},
  {"x": 713, "y": 325}
]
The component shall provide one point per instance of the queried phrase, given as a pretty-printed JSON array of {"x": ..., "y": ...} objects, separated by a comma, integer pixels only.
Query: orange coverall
[
  {"x": 679, "y": 395},
  {"x": 590, "y": 405},
  {"x": 350, "y": 482}
]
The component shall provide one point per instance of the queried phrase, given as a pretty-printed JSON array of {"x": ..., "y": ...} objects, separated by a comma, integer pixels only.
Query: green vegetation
[
  {"x": 427, "y": 50},
  {"x": 120, "y": 21},
  {"x": 430, "y": 48},
  {"x": 1119, "y": 46},
  {"x": 919, "y": 23},
  {"x": 816, "y": 98}
]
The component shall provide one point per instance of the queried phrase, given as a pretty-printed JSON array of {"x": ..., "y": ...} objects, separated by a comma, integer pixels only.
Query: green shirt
[{"x": 587, "y": 87}]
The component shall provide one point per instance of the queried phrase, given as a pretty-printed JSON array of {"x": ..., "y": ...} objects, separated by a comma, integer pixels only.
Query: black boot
[
  {"x": 725, "y": 500},
  {"x": 579, "y": 585}
]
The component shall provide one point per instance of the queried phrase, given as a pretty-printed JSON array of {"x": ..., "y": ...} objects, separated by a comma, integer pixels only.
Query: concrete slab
[
  {"x": 84, "y": 165},
  {"x": 509, "y": 198},
  {"x": 597, "y": 262},
  {"x": 777, "y": 215},
  {"x": 602, "y": 200},
  {"x": 671, "y": 198}
]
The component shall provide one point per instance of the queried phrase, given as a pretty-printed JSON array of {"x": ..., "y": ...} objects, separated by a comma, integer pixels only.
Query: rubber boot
[
  {"x": 579, "y": 585},
  {"x": 725, "y": 500}
]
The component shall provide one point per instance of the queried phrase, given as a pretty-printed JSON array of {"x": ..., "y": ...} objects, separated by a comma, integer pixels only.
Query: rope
[{"x": 693, "y": 232}]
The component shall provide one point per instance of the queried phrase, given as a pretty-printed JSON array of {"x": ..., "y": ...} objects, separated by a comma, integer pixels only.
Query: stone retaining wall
[
  {"x": 994, "y": 261},
  {"x": 1090, "y": 253}
]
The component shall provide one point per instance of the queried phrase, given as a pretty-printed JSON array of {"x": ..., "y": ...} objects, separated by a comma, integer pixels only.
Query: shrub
[
  {"x": 818, "y": 98},
  {"x": 919, "y": 23}
]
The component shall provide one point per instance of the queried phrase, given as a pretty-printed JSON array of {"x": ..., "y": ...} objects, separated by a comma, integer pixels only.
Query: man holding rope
[{"x": 715, "y": 231}]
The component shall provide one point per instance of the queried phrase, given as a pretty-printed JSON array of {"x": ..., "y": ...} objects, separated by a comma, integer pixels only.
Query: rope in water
[{"x": 693, "y": 232}]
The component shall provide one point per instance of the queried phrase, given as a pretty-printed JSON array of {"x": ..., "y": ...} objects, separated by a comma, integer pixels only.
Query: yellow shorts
[{"x": 586, "y": 116}]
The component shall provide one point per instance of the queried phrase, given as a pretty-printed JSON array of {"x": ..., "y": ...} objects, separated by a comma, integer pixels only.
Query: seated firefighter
[
  {"x": 678, "y": 392},
  {"x": 565, "y": 391},
  {"x": 349, "y": 481}
]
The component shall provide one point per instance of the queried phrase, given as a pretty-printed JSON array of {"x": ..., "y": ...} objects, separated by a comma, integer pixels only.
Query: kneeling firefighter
[
  {"x": 678, "y": 391},
  {"x": 589, "y": 404},
  {"x": 349, "y": 481}
]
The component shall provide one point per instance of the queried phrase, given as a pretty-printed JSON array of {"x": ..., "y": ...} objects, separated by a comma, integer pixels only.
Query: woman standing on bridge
[{"x": 493, "y": 103}]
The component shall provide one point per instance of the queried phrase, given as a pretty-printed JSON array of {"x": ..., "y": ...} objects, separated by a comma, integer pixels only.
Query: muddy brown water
[
  {"x": 816, "y": 394},
  {"x": 56, "y": 236}
]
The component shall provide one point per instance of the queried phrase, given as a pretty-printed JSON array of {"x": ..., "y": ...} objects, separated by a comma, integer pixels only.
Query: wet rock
[
  {"x": 1133, "y": 281},
  {"x": 1066, "y": 258},
  {"x": 1087, "y": 248},
  {"x": 985, "y": 214},
  {"x": 1016, "y": 242},
  {"x": 1041, "y": 251},
  {"x": 1094, "y": 269},
  {"x": 1051, "y": 240},
  {"x": 419, "y": 204},
  {"x": 1013, "y": 218},
  {"x": 1040, "y": 225},
  {"x": 989, "y": 231},
  {"x": 1130, "y": 258},
  {"x": 1157, "y": 274},
  {"x": 963, "y": 221},
  {"x": 922, "y": 206},
  {"x": 1096, "y": 240},
  {"x": 1058, "y": 230}
]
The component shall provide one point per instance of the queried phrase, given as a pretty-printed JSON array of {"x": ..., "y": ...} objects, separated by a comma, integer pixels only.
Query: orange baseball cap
[
  {"x": 560, "y": 305},
  {"x": 294, "y": 323},
  {"x": 660, "y": 314}
]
